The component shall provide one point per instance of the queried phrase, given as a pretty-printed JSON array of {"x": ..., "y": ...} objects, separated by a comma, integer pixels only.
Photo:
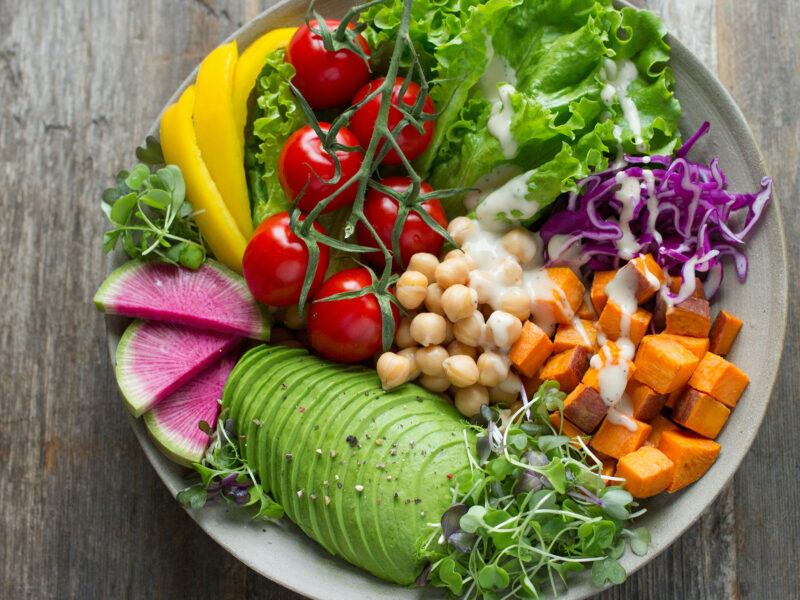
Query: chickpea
[
  {"x": 517, "y": 302},
  {"x": 460, "y": 228},
  {"x": 433, "y": 299},
  {"x": 429, "y": 360},
  {"x": 461, "y": 371},
  {"x": 452, "y": 271},
  {"x": 393, "y": 370},
  {"x": 515, "y": 406},
  {"x": 511, "y": 384},
  {"x": 509, "y": 272},
  {"x": 293, "y": 319},
  {"x": 502, "y": 329},
  {"x": 521, "y": 244},
  {"x": 483, "y": 284},
  {"x": 493, "y": 369},
  {"x": 434, "y": 384},
  {"x": 459, "y": 302},
  {"x": 469, "y": 331},
  {"x": 496, "y": 395},
  {"x": 402, "y": 336},
  {"x": 428, "y": 329},
  {"x": 449, "y": 336},
  {"x": 456, "y": 348},
  {"x": 468, "y": 400},
  {"x": 410, "y": 354},
  {"x": 461, "y": 254},
  {"x": 425, "y": 263},
  {"x": 412, "y": 287}
]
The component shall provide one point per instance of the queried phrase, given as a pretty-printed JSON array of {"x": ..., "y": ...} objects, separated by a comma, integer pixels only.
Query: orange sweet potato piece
[
  {"x": 672, "y": 397},
  {"x": 700, "y": 413},
  {"x": 598, "y": 292},
  {"x": 568, "y": 293},
  {"x": 609, "y": 468},
  {"x": 645, "y": 275},
  {"x": 647, "y": 471},
  {"x": 586, "y": 310},
  {"x": 693, "y": 456},
  {"x": 568, "y": 336},
  {"x": 565, "y": 427},
  {"x": 646, "y": 403},
  {"x": 613, "y": 319},
  {"x": 723, "y": 331},
  {"x": 660, "y": 424},
  {"x": 584, "y": 407},
  {"x": 609, "y": 353},
  {"x": 695, "y": 345},
  {"x": 676, "y": 281},
  {"x": 567, "y": 368},
  {"x": 720, "y": 379},
  {"x": 617, "y": 440},
  {"x": 691, "y": 317},
  {"x": 663, "y": 364},
  {"x": 531, "y": 349}
]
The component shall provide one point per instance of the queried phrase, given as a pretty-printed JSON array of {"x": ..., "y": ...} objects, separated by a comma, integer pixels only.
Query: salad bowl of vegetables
[{"x": 520, "y": 138}]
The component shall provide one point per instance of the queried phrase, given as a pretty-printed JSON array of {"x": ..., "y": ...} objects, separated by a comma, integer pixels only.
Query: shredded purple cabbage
[{"x": 682, "y": 216}]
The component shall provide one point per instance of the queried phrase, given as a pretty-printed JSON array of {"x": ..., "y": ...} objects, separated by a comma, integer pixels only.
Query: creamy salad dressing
[
  {"x": 497, "y": 84},
  {"x": 509, "y": 200},
  {"x": 629, "y": 195},
  {"x": 618, "y": 76}
]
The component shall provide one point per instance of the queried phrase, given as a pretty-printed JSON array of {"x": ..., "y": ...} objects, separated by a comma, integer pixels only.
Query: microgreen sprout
[
  {"x": 223, "y": 473},
  {"x": 535, "y": 509}
]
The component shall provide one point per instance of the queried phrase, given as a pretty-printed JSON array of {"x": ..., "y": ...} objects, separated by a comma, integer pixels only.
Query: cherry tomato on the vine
[
  {"x": 303, "y": 159},
  {"x": 325, "y": 78},
  {"x": 380, "y": 209},
  {"x": 346, "y": 330},
  {"x": 275, "y": 262},
  {"x": 411, "y": 141}
]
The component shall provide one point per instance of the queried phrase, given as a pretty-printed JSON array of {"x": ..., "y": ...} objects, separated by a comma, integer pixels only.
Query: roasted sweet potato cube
[
  {"x": 609, "y": 354},
  {"x": 592, "y": 376},
  {"x": 672, "y": 397},
  {"x": 723, "y": 331},
  {"x": 663, "y": 364},
  {"x": 645, "y": 277},
  {"x": 693, "y": 456},
  {"x": 585, "y": 408},
  {"x": 647, "y": 472},
  {"x": 531, "y": 349},
  {"x": 697, "y": 346},
  {"x": 691, "y": 317},
  {"x": 700, "y": 412},
  {"x": 720, "y": 379},
  {"x": 617, "y": 440},
  {"x": 660, "y": 424},
  {"x": 567, "y": 368},
  {"x": 565, "y": 427},
  {"x": 609, "y": 468},
  {"x": 598, "y": 292},
  {"x": 614, "y": 322},
  {"x": 675, "y": 282},
  {"x": 565, "y": 299},
  {"x": 576, "y": 333},
  {"x": 586, "y": 310},
  {"x": 646, "y": 403}
]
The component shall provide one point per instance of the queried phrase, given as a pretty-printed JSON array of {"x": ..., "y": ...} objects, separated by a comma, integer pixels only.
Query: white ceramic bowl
[{"x": 285, "y": 555}]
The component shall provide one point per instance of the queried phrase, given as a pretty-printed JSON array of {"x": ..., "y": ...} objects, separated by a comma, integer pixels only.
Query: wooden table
[{"x": 82, "y": 513}]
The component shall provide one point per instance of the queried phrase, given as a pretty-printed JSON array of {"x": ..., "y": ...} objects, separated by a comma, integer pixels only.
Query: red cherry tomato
[
  {"x": 411, "y": 141},
  {"x": 381, "y": 211},
  {"x": 324, "y": 78},
  {"x": 346, "y": 330},
  {"x": 275, "y": 262},
  {"x": 303, "y": 159}
]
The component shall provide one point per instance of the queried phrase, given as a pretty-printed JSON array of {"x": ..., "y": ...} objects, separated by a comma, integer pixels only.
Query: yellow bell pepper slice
[
  {"x": 249, "y": 66},
  {"x": 179, "y": 144},
  {"x": 217, "y": 133}
]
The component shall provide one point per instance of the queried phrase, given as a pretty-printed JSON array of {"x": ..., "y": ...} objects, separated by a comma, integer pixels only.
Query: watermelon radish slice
[
  {"x": 213, "y": 297},
  {"x": 174, "y": 423},
  {"x": 155, "y": 359}
]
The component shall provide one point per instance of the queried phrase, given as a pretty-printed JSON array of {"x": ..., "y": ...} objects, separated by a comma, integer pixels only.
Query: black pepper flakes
[
  {"x": 408, "y": 501},
  {"x": 289, "y": 457},
  {"x": 396, "y": 495},
  {"x": 283, "y": 386},
  {"x": 417, "y": 500},
  {"x": 352, "y": 440},
  {"x": 339, "y": 485}
]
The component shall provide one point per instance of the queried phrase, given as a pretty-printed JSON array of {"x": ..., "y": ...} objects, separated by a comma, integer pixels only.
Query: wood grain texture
[{"x": 82, "y": 513}]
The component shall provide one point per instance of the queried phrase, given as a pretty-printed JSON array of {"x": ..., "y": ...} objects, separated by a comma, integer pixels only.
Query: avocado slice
[{"x": 359, "y": 469}]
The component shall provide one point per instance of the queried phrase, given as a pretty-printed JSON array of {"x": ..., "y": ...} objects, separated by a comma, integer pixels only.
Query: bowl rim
[{"x": 259, "y": 25}]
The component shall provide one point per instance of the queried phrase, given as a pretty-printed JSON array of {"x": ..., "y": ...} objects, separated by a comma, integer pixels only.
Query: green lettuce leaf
[{"x": 277, "y": 116}]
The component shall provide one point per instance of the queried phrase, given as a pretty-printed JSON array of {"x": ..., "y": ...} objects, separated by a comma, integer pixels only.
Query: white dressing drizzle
[
  {"x": 497, "y": 84},
  {"x": 619, "y": 75},
  {"x": 628, "y": 194},
  {"x": 652, "y": 203},
  {"x": 509, "y": 200}
]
